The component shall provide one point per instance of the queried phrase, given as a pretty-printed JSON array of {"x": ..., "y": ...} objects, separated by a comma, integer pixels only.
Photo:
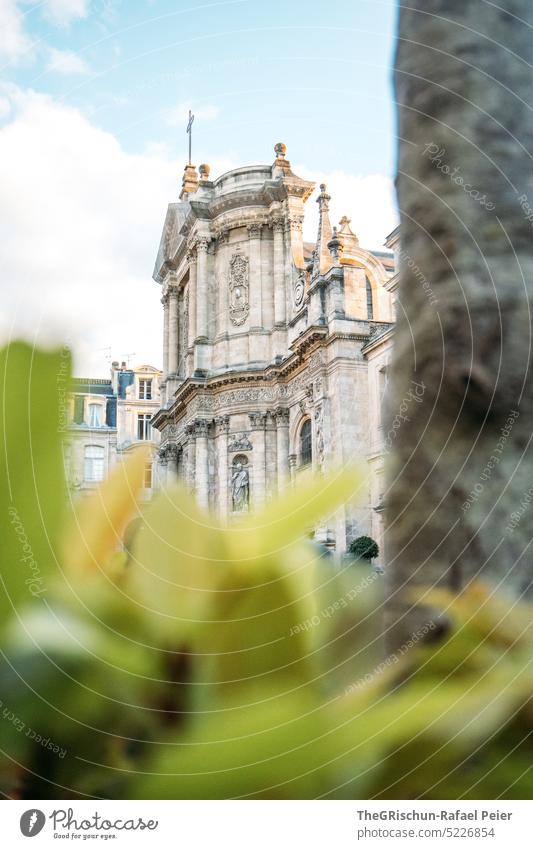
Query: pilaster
[
  {"x": 201, "y": 429},
  {"x": 282, "y": 446},
  {"x": 258, "y": 423},
  {"x": 191, "y": 335},
  {"x": 221, "y": 435},
  {"x": 254, "y": 253}
]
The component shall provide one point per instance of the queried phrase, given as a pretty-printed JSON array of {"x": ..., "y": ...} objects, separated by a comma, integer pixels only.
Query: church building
[{"x": 274, "y": 349}]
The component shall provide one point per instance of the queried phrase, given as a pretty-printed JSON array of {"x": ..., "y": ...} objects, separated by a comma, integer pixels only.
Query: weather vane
[{"x": 189, "y": 130}]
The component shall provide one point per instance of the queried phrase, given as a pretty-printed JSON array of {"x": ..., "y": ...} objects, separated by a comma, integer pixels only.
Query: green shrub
[
  {"x": 212, "y": 662},
  {"x": 363, "y": 548}
]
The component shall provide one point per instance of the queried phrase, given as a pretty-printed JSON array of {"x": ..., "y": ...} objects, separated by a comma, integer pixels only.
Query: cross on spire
[{"x": 189, "y": 130}]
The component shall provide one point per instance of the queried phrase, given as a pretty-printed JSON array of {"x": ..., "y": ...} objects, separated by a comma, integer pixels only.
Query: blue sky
[
  {"x": 311, "y": 73},
  {"x": 96, "y": 93}
]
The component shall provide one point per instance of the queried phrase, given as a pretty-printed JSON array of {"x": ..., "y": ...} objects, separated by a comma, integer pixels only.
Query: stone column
[
  {"x": 282, "y": 447},
  {"x": 280, "y": 296},
  {"x": 173, "y": 332},
  {"x": 191, "y": 333},
  {"x": 162, "y": 469},
  {"x": 222, "y": 283},
  {"x": 258, "y": 494},
  {"x": 202, "y": 463},
  {"x": 190, "y": 458},
  {"x": 222, "y": 430},
  {"x": 202, "y": 245},
  {"x": 164, "y": 301},
  {"x": 172, "y": 464},
  {"x": 254, "y": 234},
  {"x": 271, "y": 464}
]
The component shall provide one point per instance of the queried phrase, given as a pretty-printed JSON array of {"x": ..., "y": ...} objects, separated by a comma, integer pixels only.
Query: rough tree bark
[{"x": 460, "y": 474}]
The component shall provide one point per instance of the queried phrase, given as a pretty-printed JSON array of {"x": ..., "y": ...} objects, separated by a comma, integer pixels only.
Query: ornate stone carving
[
  {"x": 201, "y": 427},
  {"x": 202, "y": 243},
  {"x": 282, "y": 416},
  {"x": 167, "y": 452},
  {"x": 295, "y": 222},
  {"x": 223, "y": 237},
  {"x": 222, "y": 424},
  {"x": 317, "y": 359},
  {"x": 254, "y": 230},
  {"x": 319, "y": 435},
  {"x": 257, "y": 420},
  {"x": 299, "y": 290},
  {"x": 278, "y": 225},
  {"x": 240, "y": 442},
  {"x": 239, "y": 306}
]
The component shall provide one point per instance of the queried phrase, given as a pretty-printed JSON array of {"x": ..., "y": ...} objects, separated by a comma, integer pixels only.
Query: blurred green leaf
[{"x": 33, "y": 386}]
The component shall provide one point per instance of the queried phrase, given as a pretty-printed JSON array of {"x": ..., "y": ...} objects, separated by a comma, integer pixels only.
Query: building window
[
  {"x": 144, "y": 428},
  {"x": 148, "y": 476},
  {"x": 145, "y": 390},
  {"x": 306, "y": 443},
  {"x": 369, "y": 302},
  {"x": 95, "y": 415},
  {"x": 94, "y": 463}
]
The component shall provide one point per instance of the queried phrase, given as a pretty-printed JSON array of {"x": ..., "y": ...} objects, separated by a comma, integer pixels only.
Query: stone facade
[
  {"x": 107, "y": 420},
  {"x": 265, "y": 341}
]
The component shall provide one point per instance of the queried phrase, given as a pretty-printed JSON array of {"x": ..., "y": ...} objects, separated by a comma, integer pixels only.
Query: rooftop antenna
[
  {"x": 129, "y": 356},
  {"x": 189, "y": 131}
]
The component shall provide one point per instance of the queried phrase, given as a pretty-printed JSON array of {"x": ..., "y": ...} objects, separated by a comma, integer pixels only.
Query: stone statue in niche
[
  {"x": 239, "y": 306},
  {"x": 240, "y": 485}
]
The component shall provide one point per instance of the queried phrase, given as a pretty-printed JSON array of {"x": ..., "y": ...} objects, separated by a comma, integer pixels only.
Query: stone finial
[
  {"x": 204, "y": 170},
  {"x": 281, "y": 166},
  {"x": 349, "y": 240},
  {"x": 323, "y": 199},
  {"x": 322, "y": 255},
  {"x": 190, "y": 181},
  {"x": 335, "y": 246}
]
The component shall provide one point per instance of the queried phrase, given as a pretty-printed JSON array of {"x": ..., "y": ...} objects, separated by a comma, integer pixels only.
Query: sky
[{"x": 94, "y": 97}]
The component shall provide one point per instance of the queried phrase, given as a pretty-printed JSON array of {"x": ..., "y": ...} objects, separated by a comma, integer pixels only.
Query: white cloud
[
  {"x": 368, "y": 200},
  {"x": 14, "y": 42},
  {"x": 5, "y": 107},
  {"x": 66, "y": 62},
  {"x": 81, "y": 222},
  {"x": 63, "y": 12},
  {"x": 177, "y": 115}
]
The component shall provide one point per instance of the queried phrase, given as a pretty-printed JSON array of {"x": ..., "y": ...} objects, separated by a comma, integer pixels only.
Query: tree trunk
[{"x": 460, "y": 474}]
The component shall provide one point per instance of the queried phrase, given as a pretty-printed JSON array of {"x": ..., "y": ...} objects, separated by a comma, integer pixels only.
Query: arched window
[
  {"x": 306, "y": 443},
  {"x": 369, "y": 301},
  {"x": 93, "y": 468}
]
